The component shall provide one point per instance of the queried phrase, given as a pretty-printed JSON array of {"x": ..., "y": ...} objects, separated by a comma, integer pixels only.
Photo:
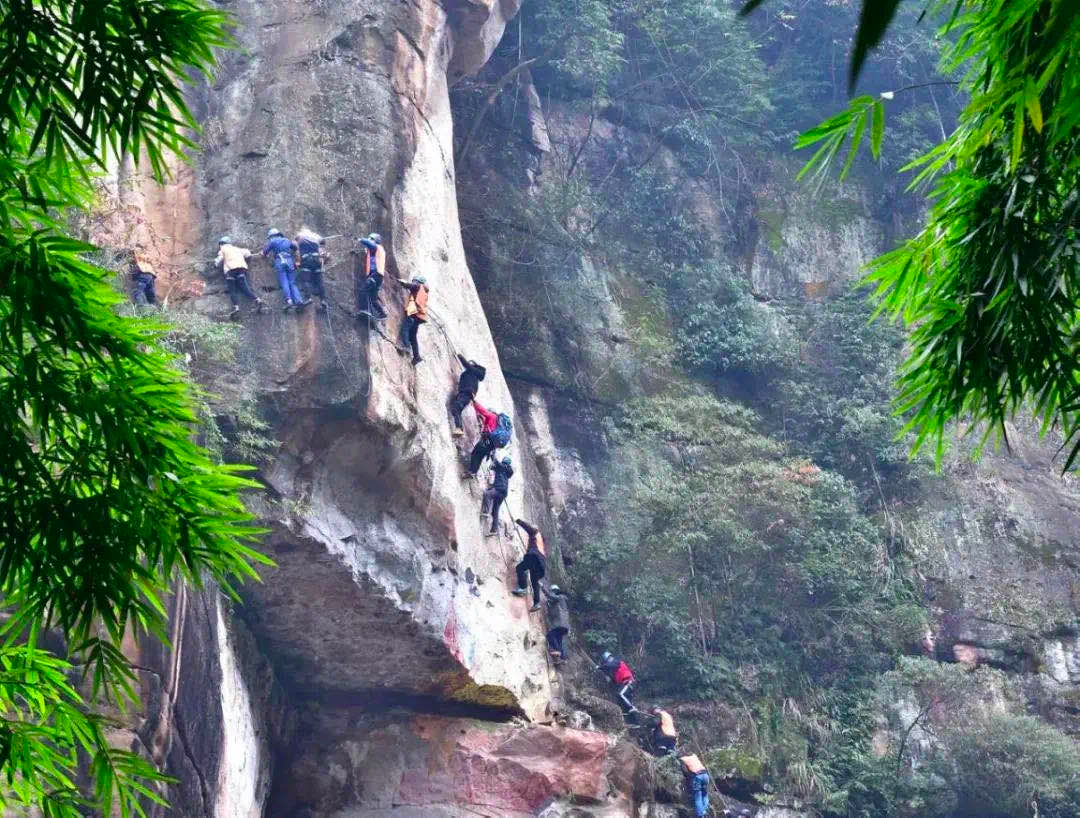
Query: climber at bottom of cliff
[
  {"x": 534, "y": 563},
  {"x": 415, "y": 314},
  {"x": 622, "y": 677},
  {"x": 697, "y": 781}
]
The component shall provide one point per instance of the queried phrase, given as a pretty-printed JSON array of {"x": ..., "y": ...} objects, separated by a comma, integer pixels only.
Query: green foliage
[
  {"x": 105, "y": 501},
  {"x": 724, "y": 330},
  {"x": 864, "y": 115}
]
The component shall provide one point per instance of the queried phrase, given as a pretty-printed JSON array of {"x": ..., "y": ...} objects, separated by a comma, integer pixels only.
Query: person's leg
[
  {"x": 481, "y": 450},
  {"x": 242, "y": 286},
  {"x": 496, "y": 504},
  {"x": 520, "y": 570},
  {"x": 535, "y": 575},
  {"x": 283, "y": 282},
  {"x": 232, "y": 286},
  {"x": 701, "y": 794},
  {"x": 374, "y": 283},
  {"x": 151, "y": 295},
  {"x": 294, "y": 288},
  {"x": 626, "y": 696},
  {"x": 414, "y": 328},
  {"x": 457, "y": 406},
  {"x": 559, "y": 634},
  {"x": 485, "y": 501}
]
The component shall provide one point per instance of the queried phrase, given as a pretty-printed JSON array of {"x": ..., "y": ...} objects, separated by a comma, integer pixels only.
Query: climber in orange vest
[
  {"x": 697, "y": 779},
  {"x": 534, "y": 563},
  {"x": 664, "y": 735},
  {"x": 415, "y": 313},
  {"x": 373, "y": 268},
  {"x": 622, "y": 677}
]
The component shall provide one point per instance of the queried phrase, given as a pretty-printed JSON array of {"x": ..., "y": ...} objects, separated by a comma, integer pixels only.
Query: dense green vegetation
[
  {"x": 748, "y": 557},
  {"x": 105, "y": 500}
]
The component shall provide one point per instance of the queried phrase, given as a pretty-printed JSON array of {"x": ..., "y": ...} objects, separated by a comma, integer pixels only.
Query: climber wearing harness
[
  {"x": 494, "y": 496},
  {"x": 697, "y": 780},
  {"x": 233, "y": 262},
  {"x": 664, "y": 735},
  {"x": 144, "y": 276},
  {"x": 310, "y": 246},
  {"x": 495, "y": 431},
  {"x": 622, "y": 677},
  {"x": 373, "y": 267},
  {"x": 280, "y": 250},
  {"x": 558, "y": 616},
  {"x": 415, "y": 313},
  {"x": 534, "y": 562},
  {"x": 468, "y": 386}
]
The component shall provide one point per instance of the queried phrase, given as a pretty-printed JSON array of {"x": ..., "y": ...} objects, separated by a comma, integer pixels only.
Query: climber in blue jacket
[
  {"x": 500, "y": 486},
  {"x": 280, "y": 251}
]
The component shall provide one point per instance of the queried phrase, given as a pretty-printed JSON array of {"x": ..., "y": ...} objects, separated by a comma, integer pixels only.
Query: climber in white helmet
[{"x": 233, "y": 262}]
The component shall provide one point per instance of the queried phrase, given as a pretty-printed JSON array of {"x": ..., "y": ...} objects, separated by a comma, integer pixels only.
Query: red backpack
[{"x": 622, "y": 674}]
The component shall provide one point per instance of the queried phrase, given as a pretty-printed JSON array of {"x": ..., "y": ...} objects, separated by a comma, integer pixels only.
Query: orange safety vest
[
  {"x": 667, "y": 724},
  {"x": 380, "y": 260},
  {"x": 418, "y": 303},
  {"x": 692, "y": 764}
]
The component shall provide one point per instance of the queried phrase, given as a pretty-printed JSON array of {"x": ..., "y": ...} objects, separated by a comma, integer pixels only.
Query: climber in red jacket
[
  {"x": 485, "y": 445},
  {"x": 622, "y": 677}
]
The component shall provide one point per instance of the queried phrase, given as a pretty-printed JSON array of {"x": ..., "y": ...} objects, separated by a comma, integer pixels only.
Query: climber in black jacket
[
  {"x": 558, "y": 615},
  {"x": 493, "y": 498},
  {"x": 534, "y": 563},
  {"x": 468, "y": 386}
]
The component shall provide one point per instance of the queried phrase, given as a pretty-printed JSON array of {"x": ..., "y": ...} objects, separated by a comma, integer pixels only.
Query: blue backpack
[{"x": 504, "y": 427}]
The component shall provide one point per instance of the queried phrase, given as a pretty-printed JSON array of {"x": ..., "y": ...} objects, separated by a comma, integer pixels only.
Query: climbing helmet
[
  {"x": 273, "y": 231},
  {"x": 376, "y": 237},
  {"x": 555, "y": 589},
  {"x": 224, "y": 240},
  {"x": 506, "y": 461}
]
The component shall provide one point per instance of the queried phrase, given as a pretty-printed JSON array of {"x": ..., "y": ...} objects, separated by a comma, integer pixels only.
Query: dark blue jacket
[
  {"x": 503, "y": 473},
  {"x": 280, "y": 249}
]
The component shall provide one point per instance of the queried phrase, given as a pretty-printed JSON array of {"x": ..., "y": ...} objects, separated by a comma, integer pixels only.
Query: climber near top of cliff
[
  {"x": 468, "y": 386},
  {"x": 373, "y": 268},
  {"x": 697, "y": 779},
  {"x": 142, "y": 272},
  {"x": 415, "y": 313},
  {"x": 495, "y": 431},
  {"x": 534, "y": 563},
  {"x": 310, "y": 245},
  {"x": 622, "y": 677},
  {"x": 233, "y": 262},
  {"x": 501, "y": 473},
  {"x": 665, "y": 737},
  {"x": 280, "y": 250},
  {"x": 558, "y": 616}
]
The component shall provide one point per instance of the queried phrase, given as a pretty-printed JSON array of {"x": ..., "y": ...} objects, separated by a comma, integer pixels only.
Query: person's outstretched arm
[
  {"x": 530, "y": 530},
  {"x": 369, "y": 244},
  {"x": 463, "y": 360}
]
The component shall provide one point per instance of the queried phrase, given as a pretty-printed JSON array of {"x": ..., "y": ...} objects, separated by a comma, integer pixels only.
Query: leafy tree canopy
[{"x": 105, "y": 501}]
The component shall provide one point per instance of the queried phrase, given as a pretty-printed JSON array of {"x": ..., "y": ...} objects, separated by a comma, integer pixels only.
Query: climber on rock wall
[
  {"x": 142, "y": 272},
  {"x": 697, "y": 780},
  {"x": 415, "y": 314},
  {"x": 558, "y": 616},
  {"x": 501, "y": 473},
  {"x": 622, "y": 677},
  {"x": 280, "y": 251},
  {"x": 233, "y": 263},
  {"x": 310, "y": 246},
  {"x": 485, "y": 446},
  {"x": 534, "y": 563},
  {"x": 665, "y": 736},
  {"x": 373, "y": 268},
  {"x": 468, "y": 386}
]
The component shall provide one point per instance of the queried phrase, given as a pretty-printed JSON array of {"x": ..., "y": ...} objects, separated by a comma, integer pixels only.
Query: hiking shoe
[
  {"x": 416, "y": 359},
  {"x": 492, "y": 534},
  {"x": 260, "y": 305},
  {"x": 323, "y": 306},
  {"x": 235, "y": 314},
  {"x": 458, "y": 432},
  {"x": 518, "y": 592},
  {"x": 303, "y": 303},
  {"x": 535, "y": 607},
  {"x": 289, "y": 305}
]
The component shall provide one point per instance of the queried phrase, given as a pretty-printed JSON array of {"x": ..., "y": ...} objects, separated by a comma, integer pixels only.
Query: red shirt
[
  {"x": 622, "y": 674},
  {"x": 488, "y": 420}
]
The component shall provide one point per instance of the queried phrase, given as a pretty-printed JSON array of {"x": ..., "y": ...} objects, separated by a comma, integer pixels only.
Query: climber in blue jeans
[
  {"x": 281, "y": 251},
  {"x": 697, "y": 779}
]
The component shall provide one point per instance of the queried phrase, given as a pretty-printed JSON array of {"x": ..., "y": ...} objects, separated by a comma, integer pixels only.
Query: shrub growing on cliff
[{"x": 105, "y": 501}]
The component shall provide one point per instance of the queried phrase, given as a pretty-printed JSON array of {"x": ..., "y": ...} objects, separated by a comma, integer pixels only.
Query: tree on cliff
[
  {"x": 105, "y": 501},
  {"x": 991, "y": 284}
]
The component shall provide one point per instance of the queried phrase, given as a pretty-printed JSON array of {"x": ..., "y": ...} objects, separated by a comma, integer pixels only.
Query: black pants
[
  {"x": 237, "y": 284},
  {"x": 312, "y": 270},
  {"x": 493, "y": 498},
  {"x": 555, "y": 637},
  {"x": 625, "y": 694},
  {"x": 369, "y": 296},
  {"x": 458, "y": 404},
  {"x": 484, "y": 446},
  {"x": 664, "y": 744},
  {"x": 408, "y": 335},
  {"x": 144, "y": 286},
  {"x": 535, "y": 566}
]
